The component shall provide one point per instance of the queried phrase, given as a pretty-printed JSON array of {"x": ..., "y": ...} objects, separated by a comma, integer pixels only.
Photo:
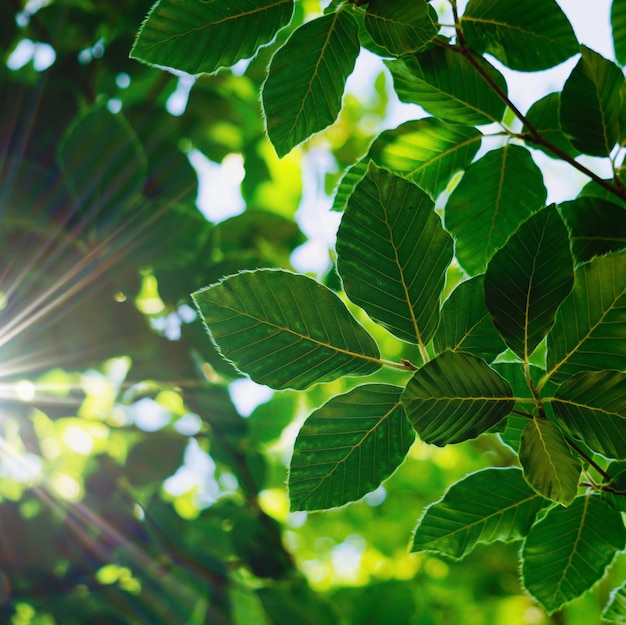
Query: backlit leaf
[
  {"x": 618, "y": 25},
  {"x": 588, "y": 331},
  {"x": 544, "y": 117},
  {"x": 426, "y": 151},
  {"x": 484, "y": 507},
  {"x": 392, "y": 255},
  {"x": 568, "y": 550},
  {"x": 401, "y": 26},
  {"x": 539, "y": 257},
  {"x": 455, "y": 397},
  {"x": 524, "y": 35},
  {"x": 347, "y": 447},
  {"x": 549, "y": 466},
  {"x": 285, "y": 330},
  {"x": 196, "y": 36},
  {"x": 592, "y": 406},
  {"x": 596, "y": 226},
  {"x": 303, "y": 91},
  {"x": 447, "y": 85},
  {"x": 615, "y": 611},
  {"x": 466, "y": 324},
  {"x": 496, "y": 194},
  {"x": 591, "y": 104}
]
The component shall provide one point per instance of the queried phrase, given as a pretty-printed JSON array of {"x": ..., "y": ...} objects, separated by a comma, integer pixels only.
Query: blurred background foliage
[{"x": 132, "y": 490}]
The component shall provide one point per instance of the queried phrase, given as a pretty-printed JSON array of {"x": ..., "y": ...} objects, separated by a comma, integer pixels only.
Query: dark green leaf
[
  {"x": 549, "y": 466},
  {"x": 539, "y": 259},
  {"x": 447, "y": 85},
  {"x": 106, "y": 165},
  {"x": 591, "y": 104},
  {"x": 195, "y": 36},
  {"x": 568, "y": 550},
  {"x": 155, "y": 458},
  {"x": 588, "y": 332},
  {"x": 615, "y": 611},
  {"x": 466, "y": 324},
  {"x": 496, "y": 194},
  {"x": 401, "y": 26},
  {"x": 347, "y": 447},
  {"x": 285, "y": 330},
  {"x": 615, "y": 490},
  {"x": 596, "y": 227},
  {"x": 618, "y": 24},
  {"x": 348, "y": 182},
  {"x": 303, "y": 91},
  {"x": 544, "y": 117},
  {"x": 592, "y": 406},
  {"x": 392, "y": 255},
  {"x": 455, "y": 397},
  {"x": 484, "y": 507},
  {"x": 426, "y": 151},
  {"x": 524, "y": 35}
]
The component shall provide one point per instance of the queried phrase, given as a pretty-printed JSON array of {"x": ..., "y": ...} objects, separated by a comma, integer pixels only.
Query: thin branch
[{"x": 587, "y": 458}]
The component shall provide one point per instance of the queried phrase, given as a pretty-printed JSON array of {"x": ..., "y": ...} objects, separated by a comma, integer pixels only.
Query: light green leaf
[
  {"x": 618, "y": 25},
  {"x": 347, "y": 447},
  {"x": 466, "y": 324},
  {"x": 591, "y": 104},
  {"x": 496, "y": 194},
  {"x": 392, "y": 255},
  {"x": 484, "y": 507},
  {"x": 549, "y": 466},
  {"x": 106, "y": 165},
  {"x": 596, "y": 227},
  {"x": 307, "y": 76},
  {"x": 592, "y": 406},
  {"x": 401, "y": 26},
  {"x": 426, "y": 151},
  {"x": 349, "y": 180},
  {"x": 195, "y": 36},
  {"x": 539, "y": 258},
  {"x": 615, "y": 610},
  {"x": 524, "y": 35},
  {"x": 544, "y": 117},
  {"x": 285, "y": 330},
  {"x": 568, "y": 550},
  {"x": 588, "y": 332},
  {"x": 455, "y": 397},
  {"x": 447, "y": 85}
]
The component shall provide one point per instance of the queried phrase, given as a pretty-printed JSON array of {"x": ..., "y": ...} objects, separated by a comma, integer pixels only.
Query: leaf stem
[{"x": 587, "y": 458}]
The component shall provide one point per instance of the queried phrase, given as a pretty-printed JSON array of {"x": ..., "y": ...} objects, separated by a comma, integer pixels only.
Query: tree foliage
[{"x": 463, "y": 311}]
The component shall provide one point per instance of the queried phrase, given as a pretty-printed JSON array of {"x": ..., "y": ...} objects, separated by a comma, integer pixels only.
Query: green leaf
[
  {"x": 106, "y": 165},
  {"x": 568, "y": 550},
  {"x": 155, "y": 458},
  {"x": 496, "y": 194},
  {"x": 549, "y": 466},
  {"x": 544, "y": 117},
  {"x": 484, "y": 507},
  {"x": 448, "y": 86},
  {"x": 591, "y": 104},
  {"x": 196, "y": 36},
  {"x": 524, "y": 35},
  {"x": 347, "y": 447},
  {"x": 588, "y": 332},
  {"x": 539, "y": 258},
  {"x": 615, "y": 491},
  {"x": 285, "y": 330},
  {"x": 402, "y": 26},
  {"x": 615, "y": 610},
  {"x": 392, "y": 255},
  {"x": 596, "y": 227},
  {"x": 426, "y": 151},
  {"x": 303, "y": 91},
  {"x": 455, "y": 397},
  {"x": 348, "y": 182},
  {"x": 592, "y": 406},
  {"x": 618, "y": 25},
  {"x": 466, "y": 324}
]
